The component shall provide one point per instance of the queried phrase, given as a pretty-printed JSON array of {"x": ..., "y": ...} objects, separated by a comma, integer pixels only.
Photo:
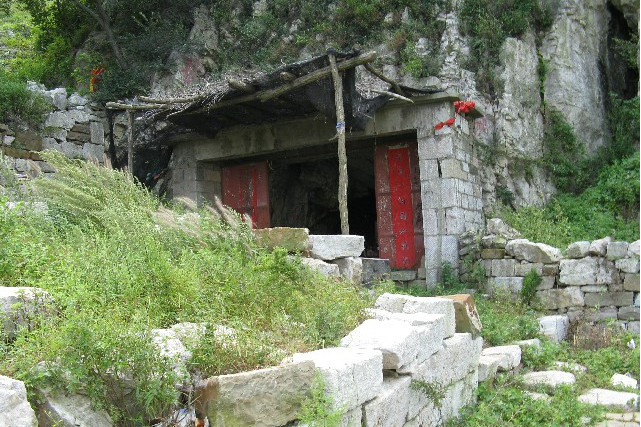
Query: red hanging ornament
[
  {"x": 450, "y": 122},
  {"x": 439, "y": 126}
]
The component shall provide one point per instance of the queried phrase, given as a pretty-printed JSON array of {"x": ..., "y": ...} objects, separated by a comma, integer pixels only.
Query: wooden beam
[
  {"x": 381, "y": 76},
  {"x": 241, "y": 86},
  {"x": 130, "y": 143},
  {"x": 342, "y": 151},
  {"x": 316, "y": 75},
  {"x": 171, "y": 100},
  {"x": 123, "y": 106},
  {"x": 393, "y": 95}
]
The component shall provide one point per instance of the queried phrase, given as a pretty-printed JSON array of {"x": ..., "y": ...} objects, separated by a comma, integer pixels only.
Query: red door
[
  {"x": 398, "y": 205},
  {"x": 246, "y": 190}
]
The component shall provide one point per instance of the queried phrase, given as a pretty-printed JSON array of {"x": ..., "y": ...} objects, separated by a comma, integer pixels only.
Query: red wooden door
[
  {"x": 398, "y": 205},
  {"x": 246, "y": 190}
]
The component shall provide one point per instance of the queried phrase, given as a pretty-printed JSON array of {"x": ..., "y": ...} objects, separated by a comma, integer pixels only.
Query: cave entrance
[{"x": 303, "y": 187}]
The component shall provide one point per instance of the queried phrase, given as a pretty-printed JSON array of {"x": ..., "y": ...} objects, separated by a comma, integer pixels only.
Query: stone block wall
[
  {"x": 451, "y": 192},
  {"x": 592, "y": 280},
  {"x": 73, "y": 127}
]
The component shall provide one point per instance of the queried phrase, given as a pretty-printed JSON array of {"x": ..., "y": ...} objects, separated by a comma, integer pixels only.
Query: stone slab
[
  {"x": 467, "y": 318},
  {"x": 457, "y": 358},
  {"x": 58, "y": 409},
  {"x": 628, "y": 313},
  {"x": 15, "y": 410},
  {"x": 489, "y": 364},
  {"x": 623, "y": 381},
  {"x": 554, "y": 327},
  {"x": 331, "y": 247},
  {"x": 291, "y": 239},
  {"x": 612, "y": 399},
  {"x": 390, "y": 406},
  {"x": 397, "y": 303},
  {"x": 324, "y": 268},
  {"x": 553, "y": 299},
  {"x": 375, "y": 269},
  {"x": 548, "y": 378},
  {"x": 511, "y": 353},
  {"x": 351, "y": 269},
  {"x": 618, "y": 299},
  {"x": 586, "y": 271}
]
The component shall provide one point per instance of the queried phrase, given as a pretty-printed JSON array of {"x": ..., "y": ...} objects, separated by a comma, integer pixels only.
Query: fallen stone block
[
  {"x": 467, "y": 318},
  {"x": 623, "y": 381},
  {"x": 512, "y": 355},
  {"x": 267, "y": 397},
  {"x": 15, "y": 410},
  {"x": 489, "y": 364},
  {"x": 352, "y": 376},
  {"x": 554, "y": 327},
  {"x": 351, "y": 269},
  {"x": 58, "y": 409},
  {"x": 458, "y": 357},
  {"x": 612, "y": 399},
  {"x": 400, "y": 342},
  {"x": 324, "y": 268},
  {"x": 331, "y": 247},
  {"x": 375, "y": 269},
  {"x": 397, "y": 303},
  {"x": 578, "y": 250},
  {"x": 534, "y": 342},
  {"x": 390, "y": 406},
  {"x": 523, "y": 249},
  {"x": 291, "y": 239},
  {"x": 553, "y": 299},
  {"x": 548, "y": 378},
  {"x": 22, "y": 307}
]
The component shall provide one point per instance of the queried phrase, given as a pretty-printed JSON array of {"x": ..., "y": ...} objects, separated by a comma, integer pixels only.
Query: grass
[{"x": 118, "y": 264}]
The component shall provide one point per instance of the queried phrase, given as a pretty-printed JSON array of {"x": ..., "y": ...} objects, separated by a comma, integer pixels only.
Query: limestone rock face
[
  {"x": 266, "y": 397},
  {"x": 523, "y": 249},
  {"x": 14, "y": 408},
  {"x": 574, "y": 48},
  {"x": 331, "y": 247}
]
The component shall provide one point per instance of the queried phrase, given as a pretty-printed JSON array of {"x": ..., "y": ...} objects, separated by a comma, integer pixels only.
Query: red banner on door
[{"x": 400, "y": 181}]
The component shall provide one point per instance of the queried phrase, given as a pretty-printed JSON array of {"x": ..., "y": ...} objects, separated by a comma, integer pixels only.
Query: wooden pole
[
  {"x": 130, "y": 143},
  {"x": 342, "y": 152}
]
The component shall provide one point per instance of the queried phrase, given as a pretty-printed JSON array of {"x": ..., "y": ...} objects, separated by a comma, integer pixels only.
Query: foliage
[
  {"x": 119, "y": 264},
  {"x": 505, "y": 321},
  {"x": 317, "y": 410},
  {"x": 488, "y": 23},
  {"x": 531, "y": 281},
  {"x": 433, "y": 391},
  {"x": 17, "y": 102},
  {"x": 629, "y": 50}
]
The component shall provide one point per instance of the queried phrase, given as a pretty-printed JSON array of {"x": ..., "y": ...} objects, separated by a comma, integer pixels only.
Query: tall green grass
[{"x": 118, "y": 264}]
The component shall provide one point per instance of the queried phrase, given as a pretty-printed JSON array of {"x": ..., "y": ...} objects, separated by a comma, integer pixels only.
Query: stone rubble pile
[{"x": 598, "y": 280}]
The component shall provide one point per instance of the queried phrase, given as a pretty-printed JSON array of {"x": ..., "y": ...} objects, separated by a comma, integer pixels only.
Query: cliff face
[{"x": 570, "y": 66}]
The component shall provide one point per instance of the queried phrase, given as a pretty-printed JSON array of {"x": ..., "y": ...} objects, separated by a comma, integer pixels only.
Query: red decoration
[
  {"x": 439, "y": 126},
  {"x": 450, "y": 122},
  {"x": 464, "y": 106},
  {"x": 96, "y": 76},
  {"x": 402, "y": 209}
]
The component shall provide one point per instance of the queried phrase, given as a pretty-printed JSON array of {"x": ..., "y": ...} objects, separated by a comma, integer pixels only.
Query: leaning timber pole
[{"x": 342, "y": 152}]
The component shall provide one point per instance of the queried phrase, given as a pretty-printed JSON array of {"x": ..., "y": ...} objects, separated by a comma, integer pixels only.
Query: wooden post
[
  {"x": 130, "y": 143},
  {"x": 342, "y": 152}
]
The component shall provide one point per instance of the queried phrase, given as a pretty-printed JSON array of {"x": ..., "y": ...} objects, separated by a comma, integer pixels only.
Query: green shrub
[
  {"x": 318, "y": 409},
  {"x": 531, "y": 281},
  {"x": 18, "y": 103},
  {"x": 505, "y": 321}
]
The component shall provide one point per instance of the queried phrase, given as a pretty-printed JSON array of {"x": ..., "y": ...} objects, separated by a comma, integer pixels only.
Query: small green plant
[
  {"x": 18, "y": 103},
  {"x": 433, "y": 391},
  {"x": 531, "y": 281},
  {"x": 505, "y": 321},
  {"x": 318, "y": 410}
]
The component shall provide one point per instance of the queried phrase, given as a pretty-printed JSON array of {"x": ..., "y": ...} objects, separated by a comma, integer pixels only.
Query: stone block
[
  {"x": 493, "y": 242},
  {"x": 324, "y": 268},
  {"x": 421, "y": 274},
  {"x": 547, "y": 282},
  {"x": 594, "y": 288},
  {"x": 353, "y": 417},
  {"x": 554, "y": 327},
  {"x": 623, "y": 380},
  {"x": 616, "y": 250},
  {"x": 20, "y": 307},
  {"x": 28, "y": 140},
  {"x": 458, "y": 356},
  {"x": 390, "y": 406},
  {"x": 454, "y": 220},
  {"x": 612, "y": 399},
  {"x": 14, "y": 406},
  {"x": 467, "y": 318},
  {"x": 628, "y": 313},
  {"x": 400, "y": 342},
  {"x": 93, "y": 152},
  {"x": 510, "y": 356},
  {"x": 633, "y": 249},
  {"x": 57, "y": 97},
  {"x": 631, "y": 282},
  {"x": 428, "y": 169},
  {"x": 553, "y": 299},
  {"x": 569, "y": 367},
  {"x": 59, "y": 119},
  {"x": 498, "y": 227},
  {"x": 586, "y": 271},
  {"x": 492, "y": 253},
  {"x": 375, "y": 269},
  {"x": 290, "y": 239},
  {"x": 71, "y": 150},
  {"x": 268, "y": 397},
  {"x": 433, "y": 305},
  {"x": 58, "y": 409},
  {"x": 505, "y": 285},
  {"x": 634, "y": 327},
  {"x": 550, "y": 269},
  {"x": 637, "y": 301},
  {"x": 97, "y": 132},
  {"x": 534, "y": 342},
  {"x": 548, "y": 378},
  {"x": 331, "y": 247},
  {"x": 523, "y": 249},
  {"x": 488, "y": 365},
  {"x": 599, "y": 247},
  {"x": 402, "y": 275},
  {"x": 618, "y": 299},
  {"x": 353, "y": 376},
  {"x": 628, "y": 265},
  {"x": 503, "y": 267},
  {"x": 603, "y": 313},
  {"x": 351, "y": 269},
  {"x": 578, "y": 250},
  {"x": 524, "y": 268},
  {"x": 76, "y": 100}
]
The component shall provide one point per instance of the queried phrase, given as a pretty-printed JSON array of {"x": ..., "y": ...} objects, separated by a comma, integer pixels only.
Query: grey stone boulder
[
  {"x": 617, "y": 250},
  {"x": 57, "y": 97},
  {"x": 352, "y": 376},
  {"x": 331, "y": 247},
  {"x": 634, "y": 249},
  {"x": 15, "y": 410},
  {"x": 554, "y": 327},
  {"x": 20, "y": 307},
  {"x": 523, "y": 249},
  {"x": 612, "y": 399},
  {"x": 600, "y": 247},
  {"x": 60, "y": 410},
  {"x": 498, "y": 227},
  {"x": 511, "y": 356},
  {"x": 266, "y": 397},
  {"x": 351, "y": 269},
  {"x": 77, "y": 100},
  {"x": 324, "y": 268},
  {"x": 290, "y": 239},
  {"x": 375, "y": 269},
  {"x": 623, "y": 380},
  {"x": 628, "y": 265},
  {"x": 59, "y": 119},
  {"x": 548, "y": 378},
  {"x": 578, "y": 250}
]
